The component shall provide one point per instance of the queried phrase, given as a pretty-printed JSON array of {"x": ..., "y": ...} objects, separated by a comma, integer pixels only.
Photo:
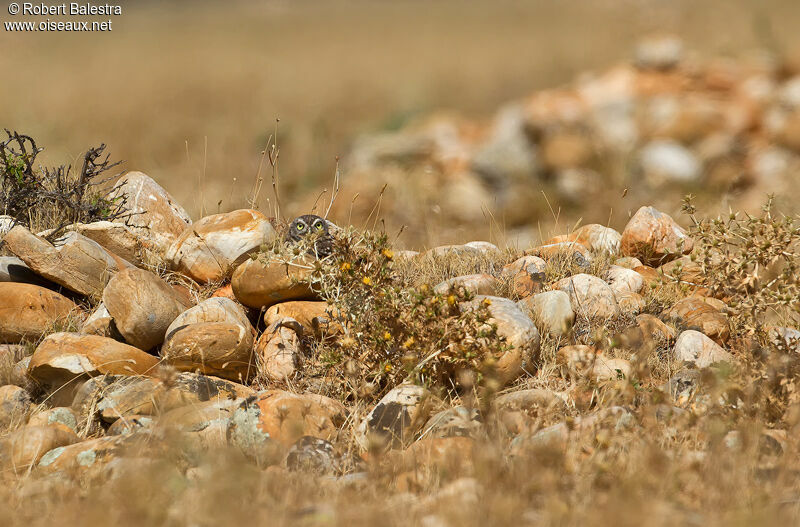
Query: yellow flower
[
  {"x": 451, "y": 300},
  {"x": 487, "y": 302},
  {"x": 367, "y": 280},
  {"x": 387, "y": 336},
  {"x": 408, "y": 343},
  {"x": 387, "y": 368},
  {"x": 346, "y": 266},
  {"x": 388, "y": 253}
]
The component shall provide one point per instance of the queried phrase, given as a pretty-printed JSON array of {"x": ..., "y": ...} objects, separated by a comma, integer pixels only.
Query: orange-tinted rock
[
  {"x": 702, "y": 314},
  {"x": 478, "y": 284},
  {"x": 654, "y": 238},
  {"x": 278, "y": 350},
  {"x": 26, "y": 446},
  {"x": 28, "y": 311},
  {"x": 221, "y": 349},
  {"x": 594, "y": 237},
  {"x": 654, "y": 328},
  {"x": 73, "y": 261},
  {"x": 260, "y": 284},
  {"x": 61, "y": 357},
  {"x": 211, "y": 248},
  {"x": 14, "y": 404},
  {"x": 142, "y": 306},
  {"x": 315, "y": 318}
]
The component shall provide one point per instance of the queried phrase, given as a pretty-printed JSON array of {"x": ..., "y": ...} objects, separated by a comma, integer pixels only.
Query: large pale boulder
[
  {"x": 693, "y": 346},
  {"x": 654, "y": 238},
  {"x": 142, "y": 306},
  {"x": 589, "y": 295},
  {"x": 62, "y": 357},
  {"x": 211, "y": 248},
  {"x": 73, "y": 261},
  {"x": 258, "y": 284},
  {"x": 153, "y": 212},
  {"x": 221, "y": 349},
  {"x": 552, "y": 309},
  {"x": 28, "y": 311},
  {"x": 520, "y": 334}
]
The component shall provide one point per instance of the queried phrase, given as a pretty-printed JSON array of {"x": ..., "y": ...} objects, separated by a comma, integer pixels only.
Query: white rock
[
  {"x": 552, "y": 309},
  {"x": 589, "y": 295},
  {"x": 665, "y": 160},
  {"x": 693, "y": 346}
]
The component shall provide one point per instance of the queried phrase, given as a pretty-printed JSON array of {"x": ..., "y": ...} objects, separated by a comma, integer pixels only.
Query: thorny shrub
[
  {"x": 52, "y": 198},
  {"x": 393, "y": 330}
]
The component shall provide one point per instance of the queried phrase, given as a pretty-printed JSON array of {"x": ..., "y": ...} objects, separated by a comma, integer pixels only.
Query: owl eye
[
  {"x": 318, "y": 225},
  {"x": 300, "y": 226}
]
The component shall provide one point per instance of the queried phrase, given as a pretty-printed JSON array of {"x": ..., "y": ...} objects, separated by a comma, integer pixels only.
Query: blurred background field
[{"x": 189, "y": 93}]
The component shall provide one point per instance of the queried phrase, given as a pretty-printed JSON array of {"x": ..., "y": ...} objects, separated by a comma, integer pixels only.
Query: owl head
[{"x": 307, "y": 225}]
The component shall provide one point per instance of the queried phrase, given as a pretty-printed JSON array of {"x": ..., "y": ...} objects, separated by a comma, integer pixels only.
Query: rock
[
  {"x": 59, "y": 415},
  {"x": 699, "y": 313},
  {"x": 18, "y": 375},
  {"x": 204, "y": 425},
  {"x": 566, "y": 149},
  {"x": 278, "y": 350},
  {"x": 312, "y": 454},
  {"x": 630, "y": 303},
  {"x": 101, "y": 323},
  {"x": 693, "y": 346},
  {"x": 315, "y": 318},
  {"x": 552, "y": 309},
  {"x": 508, "y": 152},
  {"x": 483, "y": 247},
  {"x": 590, "y": 296},
  {"x": 153, "y": 212},
  {"x": 25, "y": 446},
  {"x": 578, "y": 253},
  {"x": 475, "y": 247},
  {"x": 594, "y": 237},
  {"x": 130, "y": 425},
  {"x": 115, "y": 237},
  {"x": 628, "y": 262},
  {"x": 211, "y": 248},
  {"x": 580, "y": 360},
  {"x": 12, "y": 269},
  {"x": 226, "y": 291},
  {"x": 62, "y": 357},
  {"x": 532, "y": 265},
  {"x": 454, "y": 422},
  {"x": 142, "y": 306},
  {"x": 73, "y": 261},
  {"x": 115, "y": 397},
  {"x": 658, "y": 52},
  {"x": 216, "y": 309},
  {"x": 479, "y": 284},
  {"x": 91, "y": 457},
  {"x": 6, "y": 223},
  {"x": 396, "y": 419},
  {"x": 260, "y": 284},
  {"x": 527, "y": 275},
  {"x": 221, "y": 349},
  {"x": 655, "y": 329},
  {"x": 624, "y": 280},
  {"x": 669, "y": 161},
  {"x": 519, "y": 332},
  {"x": 14, "y": 404},
  {"x": 524, "y": 410},
  {"x": 265, "y": 424},
  {"x": 28, "y": 311},
  {"x": 654, "y": 237}
]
